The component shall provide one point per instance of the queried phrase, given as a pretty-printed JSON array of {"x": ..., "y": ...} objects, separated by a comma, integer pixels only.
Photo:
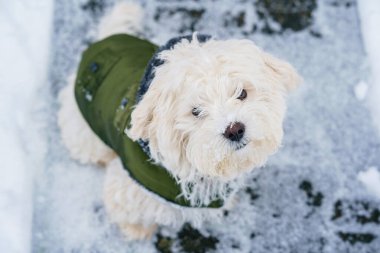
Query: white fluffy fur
[
  {"x": 209, "y": 76},
  {"x": 128, "y": 203},
  {"x": 124, "y": 18}
]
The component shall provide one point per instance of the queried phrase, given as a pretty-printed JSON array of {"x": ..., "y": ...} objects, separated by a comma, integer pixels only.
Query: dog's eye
[
  {"x": 196, "y": 111},
  {"x": 242, "y": 95}
]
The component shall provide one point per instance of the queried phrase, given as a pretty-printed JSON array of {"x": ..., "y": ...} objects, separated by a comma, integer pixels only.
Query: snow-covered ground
[
  {"x": 370, "y": 20},
  {"x": 319, "y": 193},
  {"x": 25, "y": 28}
]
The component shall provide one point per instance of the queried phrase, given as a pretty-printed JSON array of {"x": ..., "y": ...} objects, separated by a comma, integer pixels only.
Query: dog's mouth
[{"x": 241, "y": 144}]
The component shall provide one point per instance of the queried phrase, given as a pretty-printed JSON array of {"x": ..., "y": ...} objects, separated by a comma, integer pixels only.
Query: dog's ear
[
  {"x": 282, "y": 71},
  {"x": 142, "y": 116}
]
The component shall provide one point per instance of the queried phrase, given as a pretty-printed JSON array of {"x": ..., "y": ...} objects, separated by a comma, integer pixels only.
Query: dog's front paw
[{"x": 137, "y": 231}]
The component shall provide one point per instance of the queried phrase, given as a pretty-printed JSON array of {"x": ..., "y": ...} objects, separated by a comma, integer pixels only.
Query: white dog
[{"x": 207, "y": 113}]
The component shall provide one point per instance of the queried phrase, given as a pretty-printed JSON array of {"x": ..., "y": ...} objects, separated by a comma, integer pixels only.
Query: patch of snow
[
  {"x": 24, "y": 46},
  {"x": 371, "y": 179},
  {"x": 361, "y": 90},
  {"x": 369, "y": 11}
]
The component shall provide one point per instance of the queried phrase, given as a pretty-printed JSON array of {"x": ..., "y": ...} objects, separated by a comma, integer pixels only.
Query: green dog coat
[{"x": 111, "y": 79}]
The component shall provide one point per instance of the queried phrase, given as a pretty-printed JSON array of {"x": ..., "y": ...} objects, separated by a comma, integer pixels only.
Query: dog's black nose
[{"x": 235, "y": 131}]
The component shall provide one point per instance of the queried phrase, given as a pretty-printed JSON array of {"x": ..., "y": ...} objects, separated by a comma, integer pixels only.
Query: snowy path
[
  {"x": 370, "y": 19},
  {"x": 318, "y": 194},
  {"x": 24, "y": 49}
]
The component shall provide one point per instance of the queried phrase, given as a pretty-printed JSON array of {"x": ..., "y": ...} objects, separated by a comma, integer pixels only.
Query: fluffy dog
[{"x": 208, "y": 112}]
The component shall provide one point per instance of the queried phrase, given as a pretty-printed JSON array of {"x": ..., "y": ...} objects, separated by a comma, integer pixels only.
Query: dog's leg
[
  {"x": 127, "y": 204},
  {"x": 77, "y": 136},
  {"x": 124, "y": 18}
]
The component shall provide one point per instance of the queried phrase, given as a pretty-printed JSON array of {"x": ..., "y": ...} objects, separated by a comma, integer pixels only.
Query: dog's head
[{"x": 215, "y": 108}]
